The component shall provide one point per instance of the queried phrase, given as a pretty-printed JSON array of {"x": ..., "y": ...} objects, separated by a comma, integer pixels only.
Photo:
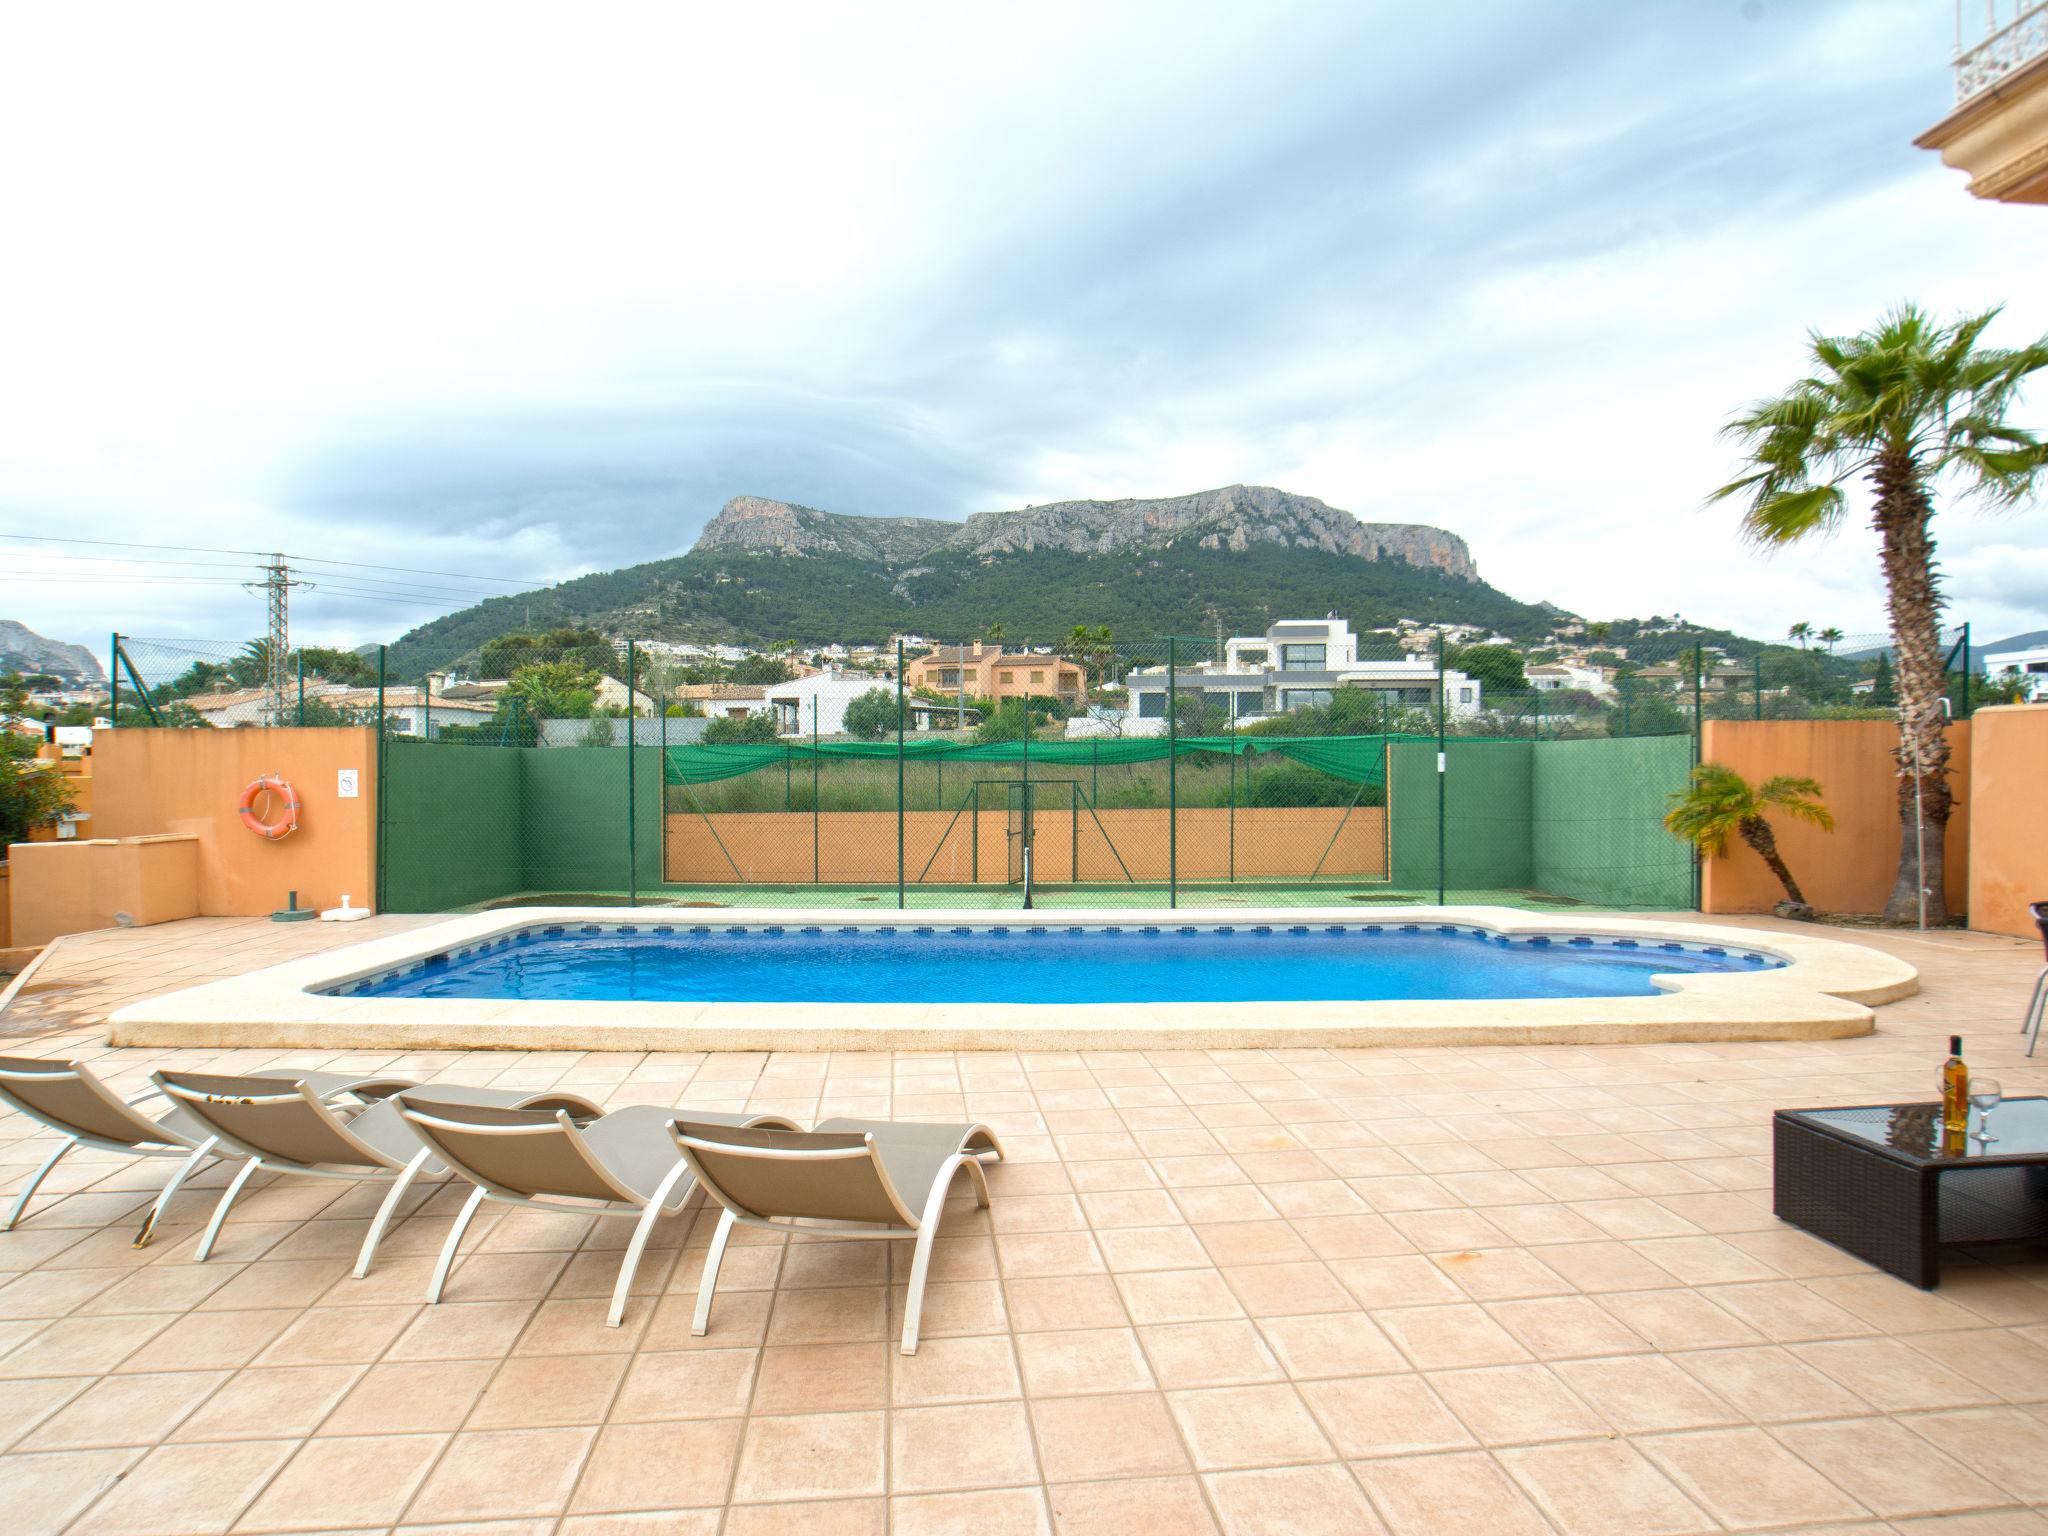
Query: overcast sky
[{"x": 530, "y": 291}]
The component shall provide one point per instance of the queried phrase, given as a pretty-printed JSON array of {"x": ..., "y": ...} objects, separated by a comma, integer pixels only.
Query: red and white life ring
[{"x": 285, "y": 823}]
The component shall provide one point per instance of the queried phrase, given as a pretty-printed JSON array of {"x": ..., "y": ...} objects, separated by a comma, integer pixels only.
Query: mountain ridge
[{"x": 23, "y": 650}]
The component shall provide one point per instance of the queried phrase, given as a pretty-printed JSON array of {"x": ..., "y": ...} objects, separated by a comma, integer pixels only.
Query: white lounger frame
[{"x": 923, "y": 1227}]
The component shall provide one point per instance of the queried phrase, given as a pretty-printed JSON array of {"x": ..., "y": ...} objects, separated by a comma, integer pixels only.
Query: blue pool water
[{"x": 1050, "y": 963}]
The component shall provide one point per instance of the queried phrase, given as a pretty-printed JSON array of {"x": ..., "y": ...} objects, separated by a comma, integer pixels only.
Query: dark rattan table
[{"x": 1874, "y": 1180}]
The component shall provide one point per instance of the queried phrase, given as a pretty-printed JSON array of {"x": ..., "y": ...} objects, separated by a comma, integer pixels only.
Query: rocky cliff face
[
  {"x": 1235, "y": 517},
  {"x": 23, "y": 650}
]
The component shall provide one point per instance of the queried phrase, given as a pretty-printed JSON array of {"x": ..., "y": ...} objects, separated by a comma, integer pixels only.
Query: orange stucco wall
[
  {"x": 149, "y": 781},
  {"x": 87, "y": 883},
  {"x": 1852, "y": 868},
  {"x": 2009, "y": 831},
  {"x": 859, "y": 847}
]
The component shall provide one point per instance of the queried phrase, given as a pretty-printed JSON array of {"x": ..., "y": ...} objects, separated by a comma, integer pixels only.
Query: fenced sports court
[{"x": 1096, "y": 775}]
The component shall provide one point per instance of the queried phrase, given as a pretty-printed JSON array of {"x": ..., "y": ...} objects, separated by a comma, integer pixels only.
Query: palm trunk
[
  {"x": 1914, "y": 600},
  {"x": 1758, "y": 834}
]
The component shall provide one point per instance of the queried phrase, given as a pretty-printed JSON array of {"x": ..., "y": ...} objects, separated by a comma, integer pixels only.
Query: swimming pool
[{"x": 1049, "y": 963}]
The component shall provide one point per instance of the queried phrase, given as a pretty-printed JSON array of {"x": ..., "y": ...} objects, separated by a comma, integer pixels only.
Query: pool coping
[{"x": 1826, "y": 991}]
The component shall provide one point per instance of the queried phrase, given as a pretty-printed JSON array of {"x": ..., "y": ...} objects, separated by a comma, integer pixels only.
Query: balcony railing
[{"x": 2002, "y": 47}]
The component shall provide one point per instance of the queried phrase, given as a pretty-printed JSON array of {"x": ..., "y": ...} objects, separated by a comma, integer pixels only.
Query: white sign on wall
[{"x": 345, "y": 784}]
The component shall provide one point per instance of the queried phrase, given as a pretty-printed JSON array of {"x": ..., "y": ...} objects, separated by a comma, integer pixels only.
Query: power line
[{"x": 264, "y": 554}]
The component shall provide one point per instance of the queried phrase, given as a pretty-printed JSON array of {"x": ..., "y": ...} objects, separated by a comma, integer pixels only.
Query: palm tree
[
  {"x": 1598, "y": 631},
  {"x": 1830, "y": 637},
  {"x": 1800, "y": 633},
  {"x": 1721, "y": 804},
  {"x": 1907, "y": 403}
]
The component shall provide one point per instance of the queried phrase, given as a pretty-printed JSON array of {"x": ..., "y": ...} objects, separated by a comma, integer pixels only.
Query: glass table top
[{"x": 2018, "y": 1128}]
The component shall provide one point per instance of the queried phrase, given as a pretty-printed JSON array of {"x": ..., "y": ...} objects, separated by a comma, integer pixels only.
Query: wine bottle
[{"x": 1955, "y": 1092}]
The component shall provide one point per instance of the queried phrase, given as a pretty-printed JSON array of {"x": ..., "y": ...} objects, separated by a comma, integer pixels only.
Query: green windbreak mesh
[{"x": 1355, "y": 759}]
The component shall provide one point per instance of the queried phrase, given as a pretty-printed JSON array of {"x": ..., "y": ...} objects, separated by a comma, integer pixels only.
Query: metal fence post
[
  {"x": 814, "y": 789},
  {"x": 899, "y": 775},
  {"x": 382, "y": 785},
  {"x": 426, "y": 707},
  {"x": 114, "y": 679},
  {"x": 1172, "y": 777},
  {"x": 302, "y": 688},
  {"x": 632, "y": 817},
  {"x": 1969, "y": 702},
  {"x": 1759, "y": 685},
  {"x": 1443, "y": 771},
  {"x": 1698, "y": 733}
]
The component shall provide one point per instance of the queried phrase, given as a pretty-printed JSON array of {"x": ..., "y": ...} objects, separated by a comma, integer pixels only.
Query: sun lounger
[
  {"x": 621, "y": 1163},
  {"x": 67, "y": 1097},
  {"x": 288, "y": 1128},
  {"x": 847, "y": 1178}
]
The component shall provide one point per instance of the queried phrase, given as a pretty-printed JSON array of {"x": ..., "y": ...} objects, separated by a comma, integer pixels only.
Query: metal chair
[
  {"x": 2030, "y": 1021},
  {"x": 622, "y": 1163},
  {"x": 848, "y": 1178},
  {"x": 68, "y": 1098},
  {"x": 287, "y": 1129}
]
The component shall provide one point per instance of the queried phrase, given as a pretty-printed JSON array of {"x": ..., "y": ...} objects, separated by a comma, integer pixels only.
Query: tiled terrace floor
[{"x": 1509, "y": 1290}]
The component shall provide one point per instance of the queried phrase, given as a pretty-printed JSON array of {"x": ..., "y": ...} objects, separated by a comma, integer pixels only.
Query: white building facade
[{"x": 2029, "y": 665}]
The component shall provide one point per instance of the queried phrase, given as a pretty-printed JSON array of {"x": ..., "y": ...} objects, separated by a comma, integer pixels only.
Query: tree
[
  {"x": 1090, "y": 649},
  {"x": 1830, "y": 637},
  {"x": 32, "y": 793},
  {"x": 554, "y": 690},
  {"x": 740, "y": 731},
  {"x": 1800, "y": 633},
  {"x": 336, "y": 666},
  {"x": 761, "y": 669},
  {"x": 1598, "y": 631},
  {"x": 872, "y": 715},
  {"x": 1907, "y": 403},
  {"x": 1882, "y": 689},
  {"x": 1721, "y": 804},
  {"x": 1497, "y": 668},
  {"x": 1009, "y": 720}
]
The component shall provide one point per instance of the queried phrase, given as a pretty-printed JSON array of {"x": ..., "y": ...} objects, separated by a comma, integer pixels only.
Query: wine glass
[{"x": 1985, "y": 1094}]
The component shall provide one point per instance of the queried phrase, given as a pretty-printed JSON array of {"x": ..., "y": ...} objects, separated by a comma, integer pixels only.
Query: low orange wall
[
  {"x": 147, "y": 781},
  {"x": 82, "y": 884},
  {"x": 1852, "y": 868},
  {"x": 2009, "y": 826},
  {"x": 859, "y": 847}
]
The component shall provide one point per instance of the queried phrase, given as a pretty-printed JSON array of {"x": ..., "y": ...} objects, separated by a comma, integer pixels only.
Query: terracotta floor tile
[
  {"x": 46, "y": 1491},
  {"x": 821, "y": 1378},
  {"x": 76, "y": 1346},
  {"x": 857, "y": 1314},
  {"x": 1293, "y": 1501},
  {"x": 1890, "y": 1376},
  {"x": 1258, "y": 1426},
  {"x": 816, "y": 1517},
  {"x": 1770, "y": 1384},
  {"x": 25, "y": 1405},
  {"x": 458, "y": 1330},
  {"x": 1331, "y": 1344},
  {"x": 1214, "y": 1354},
  {"x": 1516, "y": 1404},
  {"x": 961, "y": 1446},
  {"x": 1747, "y": 1480},
  {"x": 1091, "y": 1360},
  {"x": 546, "y": 1391},
  {"x": 337, "y": 1483},
  {"x": 1159, "y": 1506},
  {"x": 1892, "y": 1471},
  {"x": 1287, "y": 1290},
  {"x": 503, "y": 1474},
  {"x": 671, "y": 1465},
  {"x": 1177, "y": 1296},
  {"x": 264, "y": 1403},
  {"x": 1639, "y": 1394},
  {"x": 2006, "y": 1362},
  {"x": 1400, "y": 1280},
  {"x": 1082, "y": 1301},
  {"x": 1445, "y": 1337},
  {"x": 186, "y": 1490},
  {"x": 1084, "y": 1438},
  {"x": 1593, "y": 1488},
  {"x": 409, "y": 1397},
  {"x": 1437, "y": 1495},
  {"x": 1565, "y": 1327},
  {"x": 957, "y": 1370},
  {"x": 811, "y": 1456},
  {"x": 330, "y": 1335},
  {"x": 1787, "y": 1312},
  {"x": 1366, "y": 1416},
  {"x": 1676, "y": 1319},
  {"x": 2003, "y": 1444},
  {"x": 685, "y": 1384},
  {"x": 989, "y": 1512},
  {"x": 120, "y": 1410}
]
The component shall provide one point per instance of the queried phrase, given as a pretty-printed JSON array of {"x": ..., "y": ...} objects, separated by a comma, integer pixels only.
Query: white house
[
  {"x": 1296, "y": 664},
  {"x": 818, "y": 703},
  {"x": 2029, "y": 663},
  {"x": 1569, "y": 677}
]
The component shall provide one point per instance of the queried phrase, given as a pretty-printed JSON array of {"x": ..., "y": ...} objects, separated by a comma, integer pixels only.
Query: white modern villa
[
  {"x": 1295, "y": 664},
  {"x": 2029, "y": 664}
]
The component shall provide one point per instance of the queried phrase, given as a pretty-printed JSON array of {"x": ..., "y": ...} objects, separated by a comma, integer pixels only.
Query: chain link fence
[{"x": 1307, "y": 766}]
